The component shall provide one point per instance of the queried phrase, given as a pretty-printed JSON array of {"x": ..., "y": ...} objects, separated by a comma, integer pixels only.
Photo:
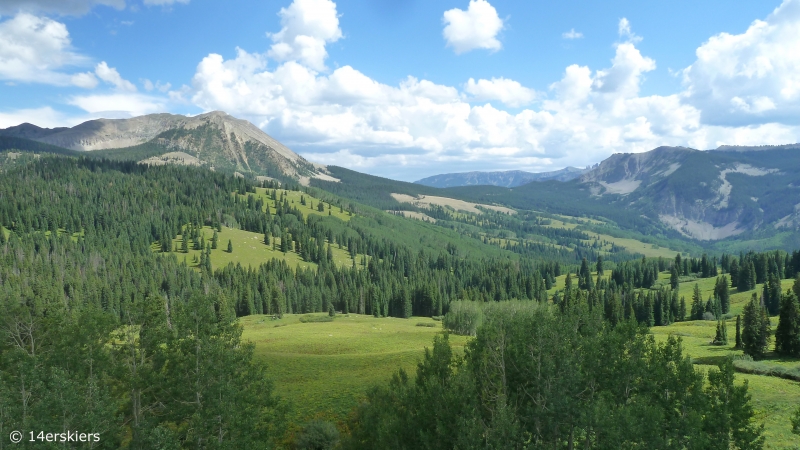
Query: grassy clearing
[
  {"x": 249, "y": 250},
  {"x": 325, "y": 368},
  {"x": 631, "y": 245},
  {"x": 294, "y": 198}
]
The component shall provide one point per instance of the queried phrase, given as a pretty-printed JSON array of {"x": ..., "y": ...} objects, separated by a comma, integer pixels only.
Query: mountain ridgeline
[
  {"x": 509, "y": 178},
  {"x": 214, "y": 140},
  {"x": 728, "y": 199}
]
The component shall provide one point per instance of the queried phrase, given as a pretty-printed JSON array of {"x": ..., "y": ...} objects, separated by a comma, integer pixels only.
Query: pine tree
[
  {"x": 755, "y": 329},
  {"x": 584, "y": 275},
  {"x": 682, "y": 311},
  {"x": 738, "y": 332},
  {"x": 230, "y": 246},
  {"x": 266, "y": 238},
  {"x": 723, "y": 294},
  {"x": 787, "y": 335},
  {"x": 184, "y": 243},
  {"x": 214, "y": 240},
  {"x": 674, "y": 278},
  {"x": 722, "y": 333},
  {"x": 697, "y": 304}
]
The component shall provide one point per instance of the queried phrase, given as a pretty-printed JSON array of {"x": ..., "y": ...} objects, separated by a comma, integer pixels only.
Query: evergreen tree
[
  {"x": 214, "y": 240},
  {"x": 723, "y": 294},
  {"x": 584, "y": 275},
  {"x": 673, "y": 278},
  {"x": 755, "y": 329},
  {"x": 697, "y": 304},
  {"x": 721, "y": 337},
  {"x": 787, "y": 335},
  {"x": 738, "y": 332},
  {"x": 772, "y": 294},
  {"x": 682, "y": 311},
  {"x": 599, "y": 266},
  {"x": 184, "y": 243},
  {"x": 230, "y": 246}
]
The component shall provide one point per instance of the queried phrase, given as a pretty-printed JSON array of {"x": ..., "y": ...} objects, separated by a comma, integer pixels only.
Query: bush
[
  {"x": 437, "y": 318},
  {"x": 464, "y": 318},
  {"x": 709, "y": 316},
  {"x": 426, "y": 324},
  {"x": 310, "y": 318},
  {"x": 762, "y": 368},
  {"x": 318, "y": 435}
]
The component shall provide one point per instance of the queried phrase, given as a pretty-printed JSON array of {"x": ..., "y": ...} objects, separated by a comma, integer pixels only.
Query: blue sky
[{"x": 407, "y": 89}]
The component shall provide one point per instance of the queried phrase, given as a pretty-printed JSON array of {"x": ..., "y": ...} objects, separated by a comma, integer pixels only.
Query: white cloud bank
[
  {"x": 742, "y": 89},
  {"x": 34, "y": 49},
  {"x": 475, "y": 28},
  {"x": 349, "y": 119}
]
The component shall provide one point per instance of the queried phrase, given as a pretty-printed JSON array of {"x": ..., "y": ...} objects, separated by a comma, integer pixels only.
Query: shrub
[
  {"x": 709, "y": 316},
  {"x": 426, "y": 324},
  {"x": 310, "y": 318},
  {"x": 318, "y": 435},
  {"x": 762, "y": 368},
  {"x": 464, "y": 318}
]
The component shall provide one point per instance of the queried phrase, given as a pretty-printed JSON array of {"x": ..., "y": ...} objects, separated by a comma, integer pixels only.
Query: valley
[{"x": 325, "y": 292}]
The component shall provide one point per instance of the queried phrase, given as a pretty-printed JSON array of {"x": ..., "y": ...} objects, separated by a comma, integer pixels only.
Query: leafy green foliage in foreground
[
  {"x": 158, "y": 378},
  {"x": 535, "y": 378}
]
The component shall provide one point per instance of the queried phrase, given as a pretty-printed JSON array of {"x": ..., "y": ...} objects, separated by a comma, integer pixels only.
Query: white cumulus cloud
[
  {"x": 475, "y": 28},
  {"x": 118, "y": 105},
  {"x": 34, "y": 49},
  {"x": 752, "y": 77},
  {"x": 572, "y": 34},
  {"x": 507, "y": 91},
  {"x": 111, "y": 76},
  {"x": 308, "y": 25}
]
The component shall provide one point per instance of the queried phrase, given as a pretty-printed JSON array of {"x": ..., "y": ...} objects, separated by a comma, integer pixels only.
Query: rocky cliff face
[{"x": 215, "y": 139}]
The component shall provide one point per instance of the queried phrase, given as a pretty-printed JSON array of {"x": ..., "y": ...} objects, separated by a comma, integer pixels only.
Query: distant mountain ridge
[
  {"x": 706, "y": 195},
  {"x": 215, "y": 139},
  {"x": 509, "y": 178}
]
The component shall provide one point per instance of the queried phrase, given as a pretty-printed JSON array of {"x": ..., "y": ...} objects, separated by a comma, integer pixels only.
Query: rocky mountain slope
[
  {"x": 510, "y": 178},
  {"x": 214, "y": 139},
  {"x": 705, "y": 195}
]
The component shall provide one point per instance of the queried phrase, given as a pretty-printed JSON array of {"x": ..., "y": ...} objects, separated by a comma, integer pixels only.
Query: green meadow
[
  {"x": 324, "y": 368},
  {"x": 249, "y": 250}
]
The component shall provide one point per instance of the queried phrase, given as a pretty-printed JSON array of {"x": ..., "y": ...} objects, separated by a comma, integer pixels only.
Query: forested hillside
[{"x": 95, "y": 258}]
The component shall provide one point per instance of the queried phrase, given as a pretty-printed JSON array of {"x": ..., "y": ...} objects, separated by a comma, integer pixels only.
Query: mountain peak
[{"x": 215, "y": 138}]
